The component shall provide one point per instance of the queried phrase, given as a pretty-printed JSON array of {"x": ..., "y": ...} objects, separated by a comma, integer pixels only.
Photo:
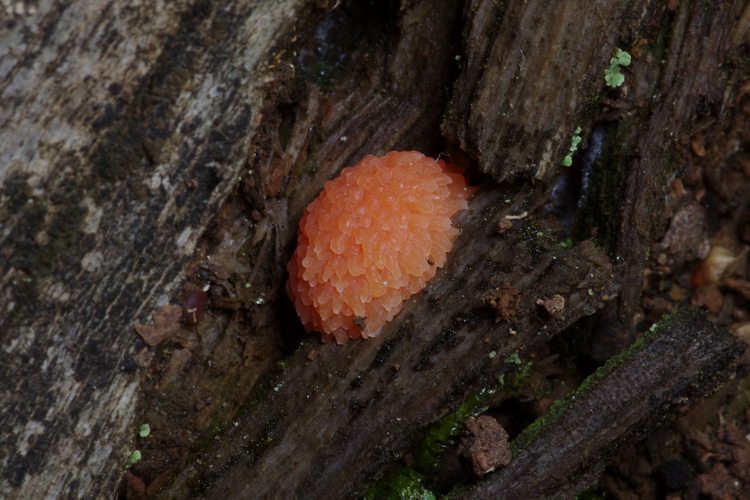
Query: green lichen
[
  {"x": 613, "y": 77},
  {"x": 575, "y": 140}
]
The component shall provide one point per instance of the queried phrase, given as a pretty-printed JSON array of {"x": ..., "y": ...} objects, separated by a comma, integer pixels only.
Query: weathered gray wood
[
  {"x": 685, "y": 360},
  {"x": 122, "y": 128}
]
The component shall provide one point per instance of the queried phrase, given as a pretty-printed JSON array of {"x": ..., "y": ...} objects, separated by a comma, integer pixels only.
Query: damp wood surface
[
  {"x": 682, "y": 361},
  {"x": 146, "y": 147},
  {"x": 334, "y": 406}
]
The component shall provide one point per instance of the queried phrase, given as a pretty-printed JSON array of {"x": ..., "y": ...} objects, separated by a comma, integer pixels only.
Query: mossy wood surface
[
  {"x": 682, "y": 361},
  {"x": 142, "y": 145}
]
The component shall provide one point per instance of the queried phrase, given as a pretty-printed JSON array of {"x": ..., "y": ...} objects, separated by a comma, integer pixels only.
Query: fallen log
[
  {"x": 138, "y": 141},
  {"x": 337, "y": 416},
  {"x": 682, "y": 360}
]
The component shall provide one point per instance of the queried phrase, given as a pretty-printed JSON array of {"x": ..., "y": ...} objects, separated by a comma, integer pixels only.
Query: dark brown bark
[
  {"x": 534, "y": 72},
  {"x": 531, "y": 74},
  {"x": 362, "y": 403},
  {"x": 681, "y": 363}
]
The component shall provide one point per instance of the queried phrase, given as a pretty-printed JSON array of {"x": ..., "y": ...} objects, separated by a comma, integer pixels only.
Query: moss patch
[{"x": 561, "y": 406}]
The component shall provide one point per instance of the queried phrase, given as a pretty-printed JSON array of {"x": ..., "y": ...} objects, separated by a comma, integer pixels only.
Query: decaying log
[
  {"x": 334, "y": 406},
  {"x": 682, "y": 361},
  {"x": 644, "y": 141},
  {"x": 512, "y": 49},
  {"x": 122, "y": 128},
  {"x": 141, "y": 144},
  {"x": 534, "y": 72}
]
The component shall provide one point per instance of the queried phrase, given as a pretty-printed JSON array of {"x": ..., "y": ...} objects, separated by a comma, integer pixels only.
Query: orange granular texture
[{"x": 374, "y": 237}]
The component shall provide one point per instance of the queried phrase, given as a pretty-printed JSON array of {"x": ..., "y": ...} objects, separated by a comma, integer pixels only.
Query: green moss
[
  {"x": 561, "y": 406},
  {"x": 518, "y": 377},
  {"x": 443, "y": 433},
  {"x": 406, "y": 484}
]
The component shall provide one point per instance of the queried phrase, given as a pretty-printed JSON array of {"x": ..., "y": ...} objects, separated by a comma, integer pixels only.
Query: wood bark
[
  {"x": 109, "y": 111},
  {"x": 362, "y": 403},
  {"x": 143, "y": 146},
  {"x": 681, "y": 362}
]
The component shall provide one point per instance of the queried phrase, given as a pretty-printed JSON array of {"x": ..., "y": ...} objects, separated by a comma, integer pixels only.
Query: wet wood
[
  {"x": 534, "y": 72},
  {"x": 530, "y": 73},
  {"x": 676, "y": 100},
  {"x": 685, "y": 360},
  {"x": 335, "y": 406},
  {"x": 287, "y": 445},
  {"x": 144, "y": 147}
]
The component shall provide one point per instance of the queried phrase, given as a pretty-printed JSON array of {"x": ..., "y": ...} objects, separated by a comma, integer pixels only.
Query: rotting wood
[
  {"x": 333, "y": 406},
  {"x": 523, "y": 90},
  {"x": 644, "y": 139},
  {"x": 684, "y": 360},
  {"x": 122, "y": 128},
  {"x": 140, "y": 131},
  {"x": 512, "y": 51},
  {"x": 362, "y": 93}
]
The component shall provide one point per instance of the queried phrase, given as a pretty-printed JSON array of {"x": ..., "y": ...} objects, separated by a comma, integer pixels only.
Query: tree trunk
[
  {"x": 153, "y": 153},
  {"x": 123, "y": 129}
]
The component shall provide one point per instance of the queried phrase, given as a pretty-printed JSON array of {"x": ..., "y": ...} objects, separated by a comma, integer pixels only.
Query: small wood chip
[
  {"x": 486, "y": 446},
  {"x": 554, "y": 305},
  {"x": 166, "y": 323}
]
